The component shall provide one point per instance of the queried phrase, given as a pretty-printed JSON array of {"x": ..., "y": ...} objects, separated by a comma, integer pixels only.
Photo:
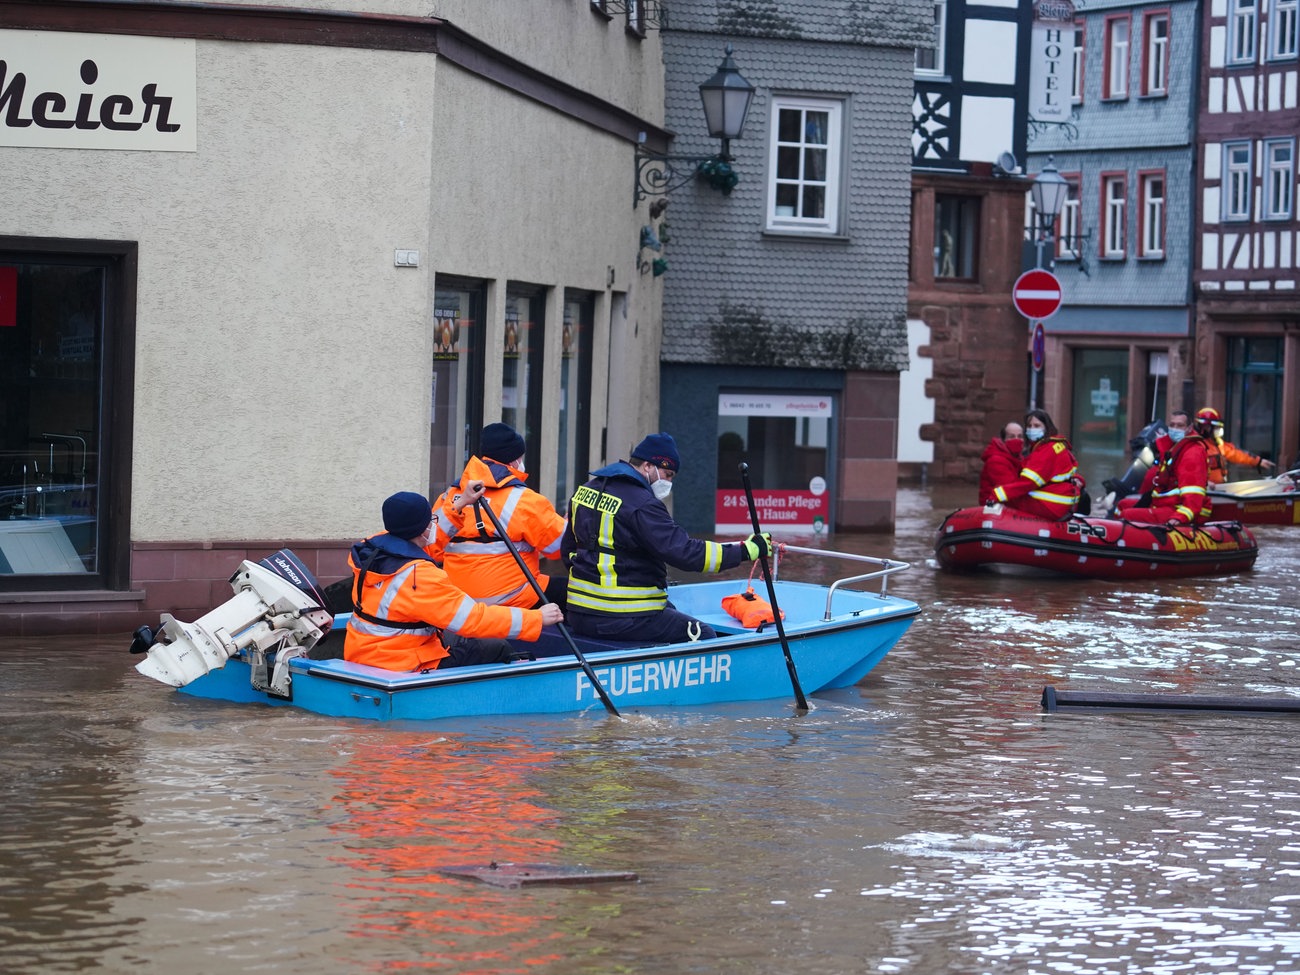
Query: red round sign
[{"x": 1037, "y": 294}]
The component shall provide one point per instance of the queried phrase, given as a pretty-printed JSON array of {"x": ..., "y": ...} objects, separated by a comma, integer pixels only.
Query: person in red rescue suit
[
  {"x": 1174, "y": 489},
  {"x": 1219, "y": 452},
  {"x": 620, "y": 541},
  {"x": 1002, "y": 461},
  {"x": 467, "y": 544},
  {"x": 1048, "y": 482},
  {"x": 403, "y": 602}
]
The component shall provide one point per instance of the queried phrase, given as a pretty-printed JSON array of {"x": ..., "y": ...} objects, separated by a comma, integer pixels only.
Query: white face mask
[
  {"x": 1034, "y": 433},
  {"x": 660, "y": 487},
  {"x": 520, "y": 466},
  {"x": 1176, "y": 435}
]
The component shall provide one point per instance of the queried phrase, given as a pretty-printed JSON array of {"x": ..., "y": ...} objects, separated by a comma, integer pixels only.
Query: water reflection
[{"x": 931, "y": 820}]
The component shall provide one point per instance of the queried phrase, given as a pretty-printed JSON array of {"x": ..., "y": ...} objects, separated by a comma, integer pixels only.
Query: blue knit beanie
[
  {"x": 661, "y": 450},
  {"x": 501, "y": 443},
  {"x": 407, "y": 514}
]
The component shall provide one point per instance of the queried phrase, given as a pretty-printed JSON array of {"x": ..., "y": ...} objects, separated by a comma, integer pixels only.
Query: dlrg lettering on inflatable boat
[{"x": 658, "y": 675}]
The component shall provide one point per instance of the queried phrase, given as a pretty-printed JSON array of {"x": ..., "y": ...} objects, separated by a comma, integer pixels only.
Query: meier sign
[{"x": 63, "y": 90}]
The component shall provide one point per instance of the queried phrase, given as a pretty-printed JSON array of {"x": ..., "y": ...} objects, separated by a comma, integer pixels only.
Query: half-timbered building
[{"x": 1247, "y": 273}]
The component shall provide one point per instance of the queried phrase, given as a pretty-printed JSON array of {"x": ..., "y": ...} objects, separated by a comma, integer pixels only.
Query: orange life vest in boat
[{"x": 749, "y": 609}]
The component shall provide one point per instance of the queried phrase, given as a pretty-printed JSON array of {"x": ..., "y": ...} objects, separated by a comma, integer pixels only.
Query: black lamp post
[
  {"x": 726, "y": 97},
  {"x": 1049, "y": 192}
]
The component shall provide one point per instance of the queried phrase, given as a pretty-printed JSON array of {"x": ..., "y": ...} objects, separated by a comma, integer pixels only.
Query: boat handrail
[{"x": 887, "y": 568}]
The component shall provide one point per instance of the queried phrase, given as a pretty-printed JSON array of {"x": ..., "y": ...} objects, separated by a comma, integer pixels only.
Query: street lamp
[
  {"x": 1049, "y": 192},
  {"x": 726, "y": 97}
]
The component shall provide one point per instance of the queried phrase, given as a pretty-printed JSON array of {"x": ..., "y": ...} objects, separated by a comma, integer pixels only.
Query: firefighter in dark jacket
[{"x": 620, "y": 541}]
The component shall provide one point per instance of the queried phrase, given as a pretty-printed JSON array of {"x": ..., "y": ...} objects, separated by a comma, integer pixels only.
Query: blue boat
[{"x": 835, "y": 636}]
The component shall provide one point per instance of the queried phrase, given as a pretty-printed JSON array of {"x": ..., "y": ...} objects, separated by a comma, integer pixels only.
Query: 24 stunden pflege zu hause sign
[{"x": 65, "y": 90}]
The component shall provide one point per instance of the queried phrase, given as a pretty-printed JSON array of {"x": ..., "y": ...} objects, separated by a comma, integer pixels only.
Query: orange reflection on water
[{"x": 412, "y": 805}]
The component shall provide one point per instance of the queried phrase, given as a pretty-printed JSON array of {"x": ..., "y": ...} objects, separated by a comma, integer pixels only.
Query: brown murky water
[{"x": 932, "y": 820}]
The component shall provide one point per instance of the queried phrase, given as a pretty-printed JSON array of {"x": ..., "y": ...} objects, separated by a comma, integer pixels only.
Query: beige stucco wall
[{"x": 283, "y": 361}]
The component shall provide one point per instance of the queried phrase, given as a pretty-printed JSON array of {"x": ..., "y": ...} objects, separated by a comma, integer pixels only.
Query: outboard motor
[
  {"x": 1144, "y": 455},
  {"x": 278, "y": 605}
]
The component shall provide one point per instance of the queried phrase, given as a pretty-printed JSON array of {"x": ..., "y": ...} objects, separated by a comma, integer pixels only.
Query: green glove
[{"x": 756, "y": 545}]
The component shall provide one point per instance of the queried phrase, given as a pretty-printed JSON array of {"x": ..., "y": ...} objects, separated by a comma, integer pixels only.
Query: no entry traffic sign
[{"x": 1037, "y": 294}]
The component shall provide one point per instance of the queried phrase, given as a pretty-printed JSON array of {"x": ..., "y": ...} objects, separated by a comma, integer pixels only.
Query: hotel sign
[
  {"x": 97, "y": 91},
  {"x": 1051, "y": 66}
]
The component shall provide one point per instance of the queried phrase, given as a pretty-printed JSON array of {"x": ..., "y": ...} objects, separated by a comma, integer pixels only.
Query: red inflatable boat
[{"x": 1095, "y": 548}]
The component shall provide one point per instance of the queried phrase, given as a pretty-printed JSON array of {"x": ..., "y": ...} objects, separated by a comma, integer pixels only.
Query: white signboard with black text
[{"x": 64, "y": 90}]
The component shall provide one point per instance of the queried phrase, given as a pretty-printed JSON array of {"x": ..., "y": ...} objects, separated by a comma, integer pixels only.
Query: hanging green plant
[{"x": 719, "y": 174}]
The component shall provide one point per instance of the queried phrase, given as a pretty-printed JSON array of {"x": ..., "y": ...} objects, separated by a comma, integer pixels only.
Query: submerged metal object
[{"x": 534, "y": 874}]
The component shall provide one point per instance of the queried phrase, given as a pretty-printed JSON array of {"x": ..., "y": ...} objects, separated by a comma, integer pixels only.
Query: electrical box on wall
[{"x": 406, "y": 258}]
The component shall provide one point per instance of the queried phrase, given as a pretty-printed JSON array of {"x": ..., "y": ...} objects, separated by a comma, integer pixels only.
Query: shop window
[
  {"x": 66, "y": 361},
  {"x": 521, "y": 369},
  {"x": 458, "y": 367},
  {"x": 1236, "y": 181},
  {"x": 1151, "y": 215},
  {"x": 930, "y": 60},
  {"x": 956, "y": 236},
  {"x": 804, "y": 189},
  {"x": 1100, "y": 410},
  {"x": 1115, "y": 76},
  {"x": 1155, "y": 54},
  {"x": 1283, "y": 39},
  {"x": 1114, "y": 190},
  {"x": 1243, "y": 24},
  {"x": 575, "y": 392},
  {"x": 785, "y": 440},
  {"x": 1255, "y": 375},
  {"x": 1279, "y": 179},
  {"x": 1156, "y": 400}
]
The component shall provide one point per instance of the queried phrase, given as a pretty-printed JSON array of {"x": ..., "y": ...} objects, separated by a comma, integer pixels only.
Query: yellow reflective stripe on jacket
[
  {"x": 614, "y": 598},
  {"x": 712, "y": 557}
]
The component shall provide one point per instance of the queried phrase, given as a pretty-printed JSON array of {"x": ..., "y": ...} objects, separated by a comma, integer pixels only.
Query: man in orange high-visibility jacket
[
  {"x": 403, "y": 601},
  {"x": 475, "y": 558},
  {"x": 1219, "y": 452},
  {"x": 1174, "y": 489}
]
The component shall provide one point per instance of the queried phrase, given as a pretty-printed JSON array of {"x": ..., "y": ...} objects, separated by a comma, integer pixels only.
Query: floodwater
[{"x": 932, "y": 820}]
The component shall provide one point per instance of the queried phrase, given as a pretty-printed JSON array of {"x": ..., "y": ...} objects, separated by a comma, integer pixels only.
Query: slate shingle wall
[
  {"x": 735, "y": 295},
  {"x": 888, "y": 23}
]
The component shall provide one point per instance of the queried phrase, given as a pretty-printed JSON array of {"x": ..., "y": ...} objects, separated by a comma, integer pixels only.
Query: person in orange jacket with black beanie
[
  {"x": 475, "y": 558},
  {"x": 403, "y": 603}
]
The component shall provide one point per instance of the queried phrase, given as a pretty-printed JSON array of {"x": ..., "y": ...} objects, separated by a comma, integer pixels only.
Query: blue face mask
[
  {"x": 1034, "y": 434},
  {"x": 1177, "y": 435}
]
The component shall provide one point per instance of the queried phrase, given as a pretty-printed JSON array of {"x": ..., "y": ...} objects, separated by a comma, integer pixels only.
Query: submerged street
[{"x": 933, "y": 819}]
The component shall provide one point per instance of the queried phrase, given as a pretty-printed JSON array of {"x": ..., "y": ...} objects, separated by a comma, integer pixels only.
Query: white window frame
[
  {"x": 830, "y": 222},
  {"x": 1114, "y": 192},
  {"x": 1076, "y": 85},
  {"x": 1243, "y": 29},
  {"x": 938, "y": 53},
  {"x": 1155, "y": 68},
  {"x": 1151, "y": 243},
  {"x": 1069, "y": 228},
  {"x": 1283, "y": 31},
  {"x": 1279, "y": 179},
  {"x": 1117, "y": 55},
  {"x": 1237, "y": 190}
]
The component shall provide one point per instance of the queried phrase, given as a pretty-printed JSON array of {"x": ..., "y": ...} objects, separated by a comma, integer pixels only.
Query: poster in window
[{"x": 446, "y": 334}]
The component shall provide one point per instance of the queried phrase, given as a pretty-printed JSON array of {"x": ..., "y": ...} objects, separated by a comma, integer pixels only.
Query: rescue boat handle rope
[
  {"x": 800, "y": 700},
  {"x": 481, "y": 508}
]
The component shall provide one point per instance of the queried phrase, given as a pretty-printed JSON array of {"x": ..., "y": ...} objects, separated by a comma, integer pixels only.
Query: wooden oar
[
  {"x": 800, "y": 700},
  {"x": 599, "y": 688}
]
